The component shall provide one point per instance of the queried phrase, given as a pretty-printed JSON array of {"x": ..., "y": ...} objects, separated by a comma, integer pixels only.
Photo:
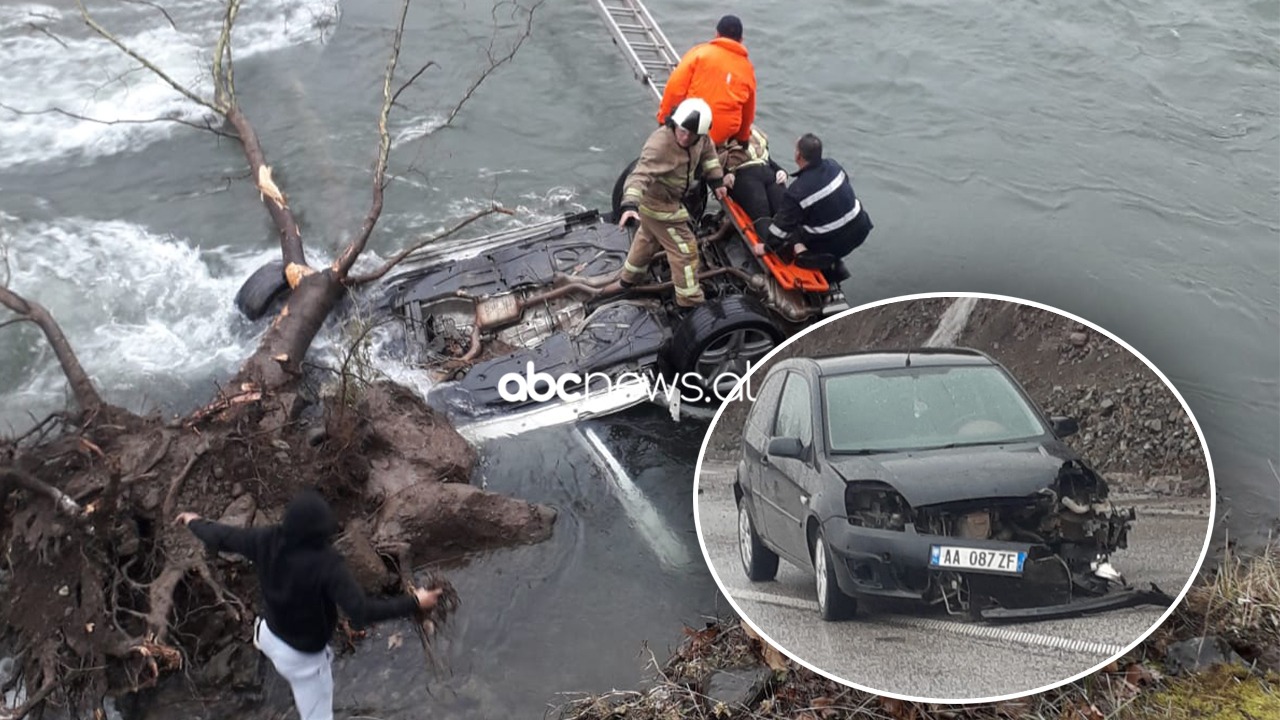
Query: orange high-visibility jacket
[{"x": 720, "y": 73}]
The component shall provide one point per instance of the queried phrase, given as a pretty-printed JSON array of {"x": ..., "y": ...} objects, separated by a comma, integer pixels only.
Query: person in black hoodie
[
  {"x": 304, "y": 580},
  {"x": 820, "y": 219}
]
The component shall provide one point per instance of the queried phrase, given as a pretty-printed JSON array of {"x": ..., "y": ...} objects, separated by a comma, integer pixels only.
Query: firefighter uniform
[
  {"x": 655, "y": 188},
  {"x": 755, "y": 185}
]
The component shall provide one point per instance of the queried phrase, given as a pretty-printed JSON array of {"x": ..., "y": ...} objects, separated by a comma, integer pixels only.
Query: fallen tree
[{"x": 104, "y": 594}]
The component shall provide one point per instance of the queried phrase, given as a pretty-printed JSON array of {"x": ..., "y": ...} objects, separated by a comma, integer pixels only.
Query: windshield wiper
[
  {"x": 948, "y": 446},
  {"x": 866, "y": 451}
]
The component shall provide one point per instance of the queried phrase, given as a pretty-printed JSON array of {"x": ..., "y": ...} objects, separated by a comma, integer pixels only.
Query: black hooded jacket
[{"x": 303, "y": 578}]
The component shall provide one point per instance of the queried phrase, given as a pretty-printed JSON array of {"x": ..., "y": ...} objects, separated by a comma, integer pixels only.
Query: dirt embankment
[{"x": 1132, "y": 427}]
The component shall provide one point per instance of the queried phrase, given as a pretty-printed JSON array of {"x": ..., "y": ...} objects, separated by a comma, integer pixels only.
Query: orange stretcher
[{"x": 788, "y": 275}]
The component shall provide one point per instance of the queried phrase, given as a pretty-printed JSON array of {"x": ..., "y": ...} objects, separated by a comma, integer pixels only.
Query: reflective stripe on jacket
[
  {"x": 666, "y": 171},
  {"x": 720, "y": 73},
  {"x": 820, "y": 202},
  {"x": 755, "y": 152}
]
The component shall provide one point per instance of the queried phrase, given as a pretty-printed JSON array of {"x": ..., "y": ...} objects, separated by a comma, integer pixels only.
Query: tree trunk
[
  {"x": 281, "y": 216},
  {"x": 278, "y": 360}
]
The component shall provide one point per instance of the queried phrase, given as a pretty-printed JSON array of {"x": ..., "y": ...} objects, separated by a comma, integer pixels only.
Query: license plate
[{"x": 1003, "y": 562}]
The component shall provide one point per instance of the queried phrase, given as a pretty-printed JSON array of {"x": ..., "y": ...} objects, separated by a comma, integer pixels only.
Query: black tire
[
  {"x": 833, "y": 604},
  {"x": 759, "y": 562},
  {"x": 618, "y": 187},
  {"x": 718, "y": 322},
  {"x": 262, "y": 289}
]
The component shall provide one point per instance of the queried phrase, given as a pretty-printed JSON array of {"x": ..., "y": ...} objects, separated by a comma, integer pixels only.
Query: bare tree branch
[
  {"x": 343, "y": 264},
  {"x": 207, "y": 126},
  {"x": 182, "y": 89},
  {"x": 495, "y": 63},
  {"x": 45, "y": 30},
  {"x": 14, "y": 321},
  {"x": 224, "y": 94},
  {"x": 85, "y": 392},
  {"x": 409, "y": 82},
  {"x": 423, "y": 242},
  {"x": 156, "y": 6}
]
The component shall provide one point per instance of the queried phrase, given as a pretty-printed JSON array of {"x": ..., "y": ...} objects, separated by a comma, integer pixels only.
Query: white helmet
[{"x": 693, "y": 115}]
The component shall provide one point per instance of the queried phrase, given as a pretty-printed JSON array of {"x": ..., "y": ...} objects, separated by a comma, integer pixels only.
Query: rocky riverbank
[{"x": 1218, "y": 656}]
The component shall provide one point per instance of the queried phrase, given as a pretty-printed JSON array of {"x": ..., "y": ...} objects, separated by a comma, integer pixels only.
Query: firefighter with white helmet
[{"x": 668, "y": 166}]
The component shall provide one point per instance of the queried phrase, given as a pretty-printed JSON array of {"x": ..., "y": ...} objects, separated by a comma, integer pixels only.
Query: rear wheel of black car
[
  {"x": 759, "y": 562},
  {"x": 261, "y": 290},
  {"x": 720, "y": 341},
  {"x": 618, "y": 187},
  {"x": 833, "y": 604}
]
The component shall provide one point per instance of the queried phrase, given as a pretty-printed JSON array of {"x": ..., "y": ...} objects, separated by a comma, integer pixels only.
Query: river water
[{"x": 1120, "y": 161}]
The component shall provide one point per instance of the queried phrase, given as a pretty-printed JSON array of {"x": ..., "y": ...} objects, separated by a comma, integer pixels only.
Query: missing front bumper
[{"x": 1111, "y": 601}]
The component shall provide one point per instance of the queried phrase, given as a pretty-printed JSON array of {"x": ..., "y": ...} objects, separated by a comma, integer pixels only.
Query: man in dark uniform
[{"x": 820, "y": 220}]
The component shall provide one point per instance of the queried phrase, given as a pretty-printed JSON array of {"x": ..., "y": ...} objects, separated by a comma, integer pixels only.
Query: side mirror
[
  {"x": 1064, "y": 426},
  {"x": 786, "y": 447}
]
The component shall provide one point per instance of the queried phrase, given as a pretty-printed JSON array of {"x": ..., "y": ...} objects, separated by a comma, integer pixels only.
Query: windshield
[{"x": 925, "y": 407}]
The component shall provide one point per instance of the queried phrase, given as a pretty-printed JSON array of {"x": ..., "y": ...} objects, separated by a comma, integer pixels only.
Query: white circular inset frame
[{"x": 976, "y": 546}]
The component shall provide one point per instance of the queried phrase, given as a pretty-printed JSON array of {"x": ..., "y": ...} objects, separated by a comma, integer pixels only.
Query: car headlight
[{"x": 875, "y": 504}]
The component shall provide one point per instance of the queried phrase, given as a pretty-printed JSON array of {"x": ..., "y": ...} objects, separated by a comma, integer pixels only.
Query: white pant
[{"x": 310, "y": 675}]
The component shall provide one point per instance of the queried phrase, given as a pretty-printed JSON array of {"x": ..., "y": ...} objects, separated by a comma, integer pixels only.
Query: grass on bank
[{"x": 1239, "y": 601}]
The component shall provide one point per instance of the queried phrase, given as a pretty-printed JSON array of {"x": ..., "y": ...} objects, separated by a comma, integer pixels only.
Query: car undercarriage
[{"x": 537, "y": 299}]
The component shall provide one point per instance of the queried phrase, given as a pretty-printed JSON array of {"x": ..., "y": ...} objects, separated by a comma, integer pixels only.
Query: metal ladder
[{"x": 650, "y": 53}]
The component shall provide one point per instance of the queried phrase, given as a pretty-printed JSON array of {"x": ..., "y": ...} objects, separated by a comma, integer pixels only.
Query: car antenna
[{"x": 908, "y": 358}]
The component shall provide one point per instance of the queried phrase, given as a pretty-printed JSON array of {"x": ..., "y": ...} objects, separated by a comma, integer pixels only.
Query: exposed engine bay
[{"x": 1070, "y": 529}]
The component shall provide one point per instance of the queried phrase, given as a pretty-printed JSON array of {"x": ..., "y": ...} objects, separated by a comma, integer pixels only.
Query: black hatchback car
[{"x": 925, "y": 475}]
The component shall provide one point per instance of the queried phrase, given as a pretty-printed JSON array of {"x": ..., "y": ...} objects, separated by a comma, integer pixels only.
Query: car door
[
  {"x": 791, "y": 479},
  {"x": 755, "y": 445}
]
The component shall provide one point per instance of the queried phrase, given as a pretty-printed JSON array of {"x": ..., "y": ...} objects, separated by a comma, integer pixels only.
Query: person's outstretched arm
[
  {"x": 224, "y": 538},
  {"x": 364, "y": 610}
]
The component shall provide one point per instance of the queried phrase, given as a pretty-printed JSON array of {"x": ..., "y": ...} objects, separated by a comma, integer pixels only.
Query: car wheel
[
  {"x": 262, "y": 288},
  {"x": 833, "y": 604},
  {"x": 720, "y": 341},
  {"x": 759, "y": 562}
]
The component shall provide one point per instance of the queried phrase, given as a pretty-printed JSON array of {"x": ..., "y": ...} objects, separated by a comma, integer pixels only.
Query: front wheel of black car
[
  {"x": 833, "y": 604},
  {"x": 759, "y": 562},
  {"x": 719, "y": 342}
]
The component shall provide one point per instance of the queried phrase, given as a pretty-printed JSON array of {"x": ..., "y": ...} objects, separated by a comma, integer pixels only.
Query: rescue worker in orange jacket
[
  {"x": 653, "y": 195},
  {"x": 720, "y": 73}
]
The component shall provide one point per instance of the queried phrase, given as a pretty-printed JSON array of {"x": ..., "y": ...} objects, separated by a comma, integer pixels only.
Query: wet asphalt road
[{"x": 922, "y": 653}]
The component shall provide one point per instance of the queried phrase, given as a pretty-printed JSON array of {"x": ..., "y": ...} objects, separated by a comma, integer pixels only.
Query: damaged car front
[{"x": 943, "y": 483}]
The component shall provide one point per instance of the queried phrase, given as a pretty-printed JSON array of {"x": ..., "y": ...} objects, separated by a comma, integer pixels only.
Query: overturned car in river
[
  {"x": 926, "y": 475},
  {"x": 513, "y": 320},
  {"x": 523, "y": 320}
]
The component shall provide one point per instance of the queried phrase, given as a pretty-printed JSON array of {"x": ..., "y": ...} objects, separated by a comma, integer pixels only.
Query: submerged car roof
[{"x": 887, "y": 360}]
